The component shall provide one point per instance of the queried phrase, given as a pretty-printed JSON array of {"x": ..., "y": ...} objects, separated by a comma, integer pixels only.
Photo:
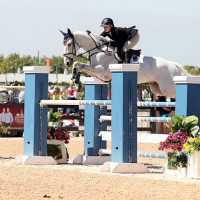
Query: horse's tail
[{"x": 182, "y": 71}]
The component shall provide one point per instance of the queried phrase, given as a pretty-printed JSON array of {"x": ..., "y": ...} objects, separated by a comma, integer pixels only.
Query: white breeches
[{"x": 131, "y": 42}]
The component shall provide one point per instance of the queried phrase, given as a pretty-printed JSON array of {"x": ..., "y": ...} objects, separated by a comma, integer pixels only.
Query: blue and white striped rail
[
  {"x": 140, "y": 154},
  {"x": 144, "y": 119},
  {"x": 75, "y": 102},
  {"x": 154, "y": 119},
  {"x": 155, "y": 104},
  {"x": 151, "y": 155}
]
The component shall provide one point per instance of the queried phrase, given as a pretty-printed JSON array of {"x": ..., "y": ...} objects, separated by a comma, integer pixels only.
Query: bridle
[
  {"x": 89, "y": 51},
  {"x": 73, "y": 48}
]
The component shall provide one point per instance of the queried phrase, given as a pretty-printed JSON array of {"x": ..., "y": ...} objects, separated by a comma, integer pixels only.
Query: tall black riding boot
[{"x": 127, "y": 57}]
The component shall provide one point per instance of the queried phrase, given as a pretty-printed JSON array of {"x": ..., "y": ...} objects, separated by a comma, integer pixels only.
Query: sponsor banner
[{"x": 12, "y": 115}]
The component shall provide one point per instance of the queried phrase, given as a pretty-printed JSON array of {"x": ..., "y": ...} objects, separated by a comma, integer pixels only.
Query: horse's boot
[
  {"x": 79, "y": 87},
  {"x": 74, "y": 74},
  {"x": 128, "y": 55},
  {"x": 137, "y": 52},
  {"x": 77, "y": 78}
]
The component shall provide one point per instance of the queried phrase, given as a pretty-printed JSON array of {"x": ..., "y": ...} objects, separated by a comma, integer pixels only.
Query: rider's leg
[
  {"x": 131, "y": 42},
  {"x": 128, "y": 45}
]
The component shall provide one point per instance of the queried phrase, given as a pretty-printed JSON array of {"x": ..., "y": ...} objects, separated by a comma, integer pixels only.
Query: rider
[{"x": 123, "y": 38}]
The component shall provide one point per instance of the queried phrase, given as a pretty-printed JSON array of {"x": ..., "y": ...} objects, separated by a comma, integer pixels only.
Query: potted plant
[
  {"x": 181, "y": 130},
  {"x": 54, "y": 118},
  {"x": 58, "y": 133},
  {"x": 185, "y": 124},
  {"x": 182, "y": 162},
  {"x": 4, "y": 130},
  {"x": 57, "y": 138},
  {"x": 173, "y": 144},
  {"x": 192, "y": 145}
]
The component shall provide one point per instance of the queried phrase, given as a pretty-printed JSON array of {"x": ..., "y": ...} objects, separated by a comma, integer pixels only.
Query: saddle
[{"x": 131, "y": 53}]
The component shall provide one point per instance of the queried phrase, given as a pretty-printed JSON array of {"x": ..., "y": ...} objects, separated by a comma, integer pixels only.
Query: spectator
[
  {"x": 21, "y": 96},
  {"x": 75, "y": 109},
  {"x": 10, "y": 96},
  {"x": 8, "y": 118},
  {"x": 2, "y": 116},
  {"x": 164, "y": 111}
]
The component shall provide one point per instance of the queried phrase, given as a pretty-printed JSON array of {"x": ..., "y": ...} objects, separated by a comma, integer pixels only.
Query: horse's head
[{"x": 71, "y": 47}]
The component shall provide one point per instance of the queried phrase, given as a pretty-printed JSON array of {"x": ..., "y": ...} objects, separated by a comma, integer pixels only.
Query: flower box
[
  {"x": 169, "y": 157},
  {"x": 182, "y": 171},
  {"x": 193, "y": 170},
  {"x": 57, "y": 150},
  {"x": 169, "y": 168}
]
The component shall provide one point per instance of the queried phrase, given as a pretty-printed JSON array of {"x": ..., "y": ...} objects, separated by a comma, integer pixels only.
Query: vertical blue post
[
  {"x": 187, "y": 95},
  {"x": 94, "y": 90},
  {"x": 124, "y": 112},
  {"x": 35, "y": 130}
]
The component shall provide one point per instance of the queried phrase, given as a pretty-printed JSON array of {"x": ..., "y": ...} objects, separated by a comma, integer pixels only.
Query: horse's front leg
[
  {"x": 76, "y": 73},
  {"x": 73, "y": 73}
]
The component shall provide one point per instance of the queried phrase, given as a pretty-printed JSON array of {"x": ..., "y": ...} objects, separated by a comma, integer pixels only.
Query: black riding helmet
[{"x": 107, "y": 22}]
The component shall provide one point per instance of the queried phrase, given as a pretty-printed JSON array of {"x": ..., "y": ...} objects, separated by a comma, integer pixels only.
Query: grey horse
[{"x": 156, "y": 71}]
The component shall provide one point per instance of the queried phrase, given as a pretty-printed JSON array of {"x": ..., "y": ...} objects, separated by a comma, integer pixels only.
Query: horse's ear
[
  {"x": 69, "y": 32},
  {"x": 63, "y": 32},
  {"x": 88, "y": 32}
]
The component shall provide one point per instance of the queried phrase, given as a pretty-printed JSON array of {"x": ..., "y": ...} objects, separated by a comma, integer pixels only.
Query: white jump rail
[{"x": 75, "y": 102}]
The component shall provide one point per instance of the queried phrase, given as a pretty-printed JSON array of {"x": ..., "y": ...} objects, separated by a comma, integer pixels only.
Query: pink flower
[
  {"x": 58, "y": 134},
  {"x": 66, "y": 136},
  {"x": 174, "y": 141}
]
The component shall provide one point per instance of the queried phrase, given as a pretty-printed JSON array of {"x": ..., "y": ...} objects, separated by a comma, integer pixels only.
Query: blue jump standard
[
  {"x": 187, "y": 96},
  {"x": 124, "y": 116},
  {"x": 35, "y": 130},
  {"x": 92, "y": 142}
]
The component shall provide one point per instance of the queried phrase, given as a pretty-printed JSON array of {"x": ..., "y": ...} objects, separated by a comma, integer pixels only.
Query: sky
[{"x": 167, "y": 28}]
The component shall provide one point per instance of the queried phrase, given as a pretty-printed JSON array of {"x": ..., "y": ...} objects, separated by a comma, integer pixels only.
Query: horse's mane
[{"x": 98, "y": 38}]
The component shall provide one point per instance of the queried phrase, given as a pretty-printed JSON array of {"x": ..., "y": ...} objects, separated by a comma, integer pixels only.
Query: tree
[
  {"x": 4, "y": 67},
  {"x": 1, "y": 61},
  {"x": 192, "y": 70},
  {"x": 26, "y": 61},
  {"x": 13, "y": 62}
]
